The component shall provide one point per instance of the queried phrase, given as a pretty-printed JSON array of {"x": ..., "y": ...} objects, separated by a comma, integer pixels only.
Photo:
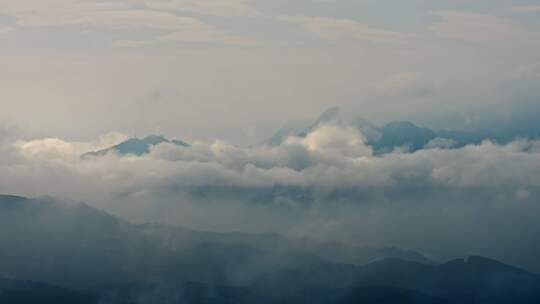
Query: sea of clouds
[{"x": 479, "y": 199}]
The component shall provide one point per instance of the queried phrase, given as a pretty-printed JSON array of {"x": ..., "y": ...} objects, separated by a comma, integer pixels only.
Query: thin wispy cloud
[
  {"x": 482, "y": 28},
  {"x": 227, "y": 8},
  {"x": 336, "y": 30},
  {"x": 6, "y": 29},
  {"x": 526, "y": 9},
  {"x": 120, "y": 15}
]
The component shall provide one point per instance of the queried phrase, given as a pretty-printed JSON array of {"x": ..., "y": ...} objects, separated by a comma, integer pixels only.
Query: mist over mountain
[
  {"x": 337, "y": 178},
  {"x": 94, "y": 249},
  {"x": 403, "y": 135},
  {"x": 65, "y": 253},
  {"x": 394, "y": 135}
]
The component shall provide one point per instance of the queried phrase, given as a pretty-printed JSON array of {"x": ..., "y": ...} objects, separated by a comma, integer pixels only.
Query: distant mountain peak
[
  {"x": 155, "y": 139},
  {"x": 403, "y": 135},
  {"x": 136, "y": 146}
]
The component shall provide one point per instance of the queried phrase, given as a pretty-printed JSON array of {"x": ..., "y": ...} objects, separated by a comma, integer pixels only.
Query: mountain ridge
[
  {"x": 385, "y": 138},
  {"x": 136, "y": 146},
  {"x": 88, "y": 252}
]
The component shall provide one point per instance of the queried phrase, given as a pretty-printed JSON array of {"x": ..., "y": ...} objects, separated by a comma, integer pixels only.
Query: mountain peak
[
  {"x": 155, "y": 139},
  {"x": 405, "y": 135},
  {"x": 136, "y": 146}
]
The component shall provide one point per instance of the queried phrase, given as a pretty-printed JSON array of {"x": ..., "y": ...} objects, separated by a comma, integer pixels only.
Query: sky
[
  {"x": 224, "y": 75},
  {"x": 239, "y": 69}
]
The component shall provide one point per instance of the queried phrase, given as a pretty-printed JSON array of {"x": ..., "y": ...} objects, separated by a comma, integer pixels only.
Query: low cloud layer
[{"x": 479, "y": 199}]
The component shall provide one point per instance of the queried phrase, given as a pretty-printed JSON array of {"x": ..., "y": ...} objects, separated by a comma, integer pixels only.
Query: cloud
[
  {"x": 55, "y": 149},
  {"x": 192, "y": 31},
  {"x": 113, "y": 19},
  {"x": 526, "y": 9},
  {"x": 126, "y": 43},
  {"x": 337, "y": 30},
  {"x": 202, "y": 34},
  {"x": 229, "y": 8},
  {"x": 6, "y": 29},
  {"x": 477, "y": 27},
  {"x": 326, "y": 185},
  {"x": 404, "y": 84},
  {"x": 49, "y": 148},
  {"x": 117, "y": 15},
  {"x": 331, "y": 157},
  {"x": 344, "y": 141},
  {"x": 441, "y": 143},
  {"x": 527, "y": 72}
]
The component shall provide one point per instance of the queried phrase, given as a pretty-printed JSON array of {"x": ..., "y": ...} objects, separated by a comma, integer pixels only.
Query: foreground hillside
[{"x": 58, "y": 253}]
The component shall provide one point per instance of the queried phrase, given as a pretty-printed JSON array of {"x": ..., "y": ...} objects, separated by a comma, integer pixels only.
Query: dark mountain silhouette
[
  {"x": 26, "y": 292},
  {"x": 475, "y": 280},
  {"x": 83, "y": 255},
  {"x": 388, "y": 295},
  {"x": 41, "y": 236},
  {"x": 136, "y": 146}
]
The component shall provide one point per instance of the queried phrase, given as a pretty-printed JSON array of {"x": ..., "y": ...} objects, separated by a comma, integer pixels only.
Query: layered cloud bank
[
  {"x": 331, "y": 157},
  {"x": 479, "y": 199}
]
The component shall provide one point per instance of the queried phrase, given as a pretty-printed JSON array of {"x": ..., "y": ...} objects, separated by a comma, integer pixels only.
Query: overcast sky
[{"x": 239, "y": 69}]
